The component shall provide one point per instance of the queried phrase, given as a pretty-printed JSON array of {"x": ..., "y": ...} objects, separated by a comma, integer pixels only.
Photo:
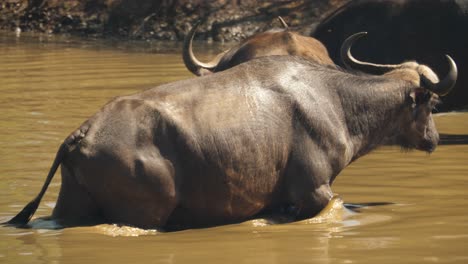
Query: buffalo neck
[{"x": 372, "y": 109}]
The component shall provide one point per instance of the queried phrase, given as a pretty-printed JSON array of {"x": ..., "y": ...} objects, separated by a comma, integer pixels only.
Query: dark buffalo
[
  {"x": 269, "y": 134},
  {"x": 272, "y": 42},
  {"x": 419, "y": 30}
]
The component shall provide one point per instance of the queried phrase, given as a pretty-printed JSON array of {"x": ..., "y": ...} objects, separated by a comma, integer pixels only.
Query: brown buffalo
[
  {"x": 268, "y": 134},
  {"x": 272, "y": 42}
]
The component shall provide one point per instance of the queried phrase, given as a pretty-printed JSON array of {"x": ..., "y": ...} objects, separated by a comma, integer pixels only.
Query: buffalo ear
[{"x": 420, "y": 96}]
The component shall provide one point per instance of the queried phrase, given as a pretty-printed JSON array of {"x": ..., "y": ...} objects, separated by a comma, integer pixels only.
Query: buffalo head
[{"x": 417, "y": 125}]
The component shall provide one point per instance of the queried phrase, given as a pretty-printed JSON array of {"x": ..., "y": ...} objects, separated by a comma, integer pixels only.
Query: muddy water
[{"x": 49, "y": 86}]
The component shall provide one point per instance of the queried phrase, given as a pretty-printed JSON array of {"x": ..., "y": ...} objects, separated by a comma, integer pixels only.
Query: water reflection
[{"x": 453, "y": 139}]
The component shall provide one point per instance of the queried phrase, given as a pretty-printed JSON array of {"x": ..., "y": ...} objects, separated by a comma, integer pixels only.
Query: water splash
[{"x": 124, "y": 231}]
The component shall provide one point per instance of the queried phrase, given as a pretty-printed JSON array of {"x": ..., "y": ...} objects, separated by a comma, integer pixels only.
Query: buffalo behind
[
  {"x": 272, "y": 42},
  {"x": 399, "y": 30},
  {"x": 268, "y": 134}
]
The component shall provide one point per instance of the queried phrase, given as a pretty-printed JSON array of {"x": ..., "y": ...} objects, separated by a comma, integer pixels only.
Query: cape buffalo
[
  {"x": 268, "y": 134},
  {"x": 272, "y": 42},
  {"x": 419, "y": 30}
]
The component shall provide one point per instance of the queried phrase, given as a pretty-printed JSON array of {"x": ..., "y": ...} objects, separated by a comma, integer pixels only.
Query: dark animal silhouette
[{"x": 399, "y": 30}]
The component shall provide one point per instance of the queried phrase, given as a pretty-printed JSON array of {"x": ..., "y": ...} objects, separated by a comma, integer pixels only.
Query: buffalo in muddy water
[
  {"x": 419, "y": 30},
  {"x": 268, "y": 134},
  {"x": 272, "y": 42}
]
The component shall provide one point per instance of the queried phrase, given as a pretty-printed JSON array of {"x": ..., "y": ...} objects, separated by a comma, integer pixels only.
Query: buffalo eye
[{"x": 420, "y": 96}]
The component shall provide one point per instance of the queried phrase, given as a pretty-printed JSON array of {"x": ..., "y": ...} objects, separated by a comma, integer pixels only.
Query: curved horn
[
  {"x": 190, "y": 61},
  {"x": 445, "y": 85},
  {"x": 283, "y": 23},
  {"x": 352, "y": 63}
]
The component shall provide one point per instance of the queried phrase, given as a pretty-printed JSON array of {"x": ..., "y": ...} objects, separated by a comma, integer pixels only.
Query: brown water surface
[{"x": 49, "y": 86}]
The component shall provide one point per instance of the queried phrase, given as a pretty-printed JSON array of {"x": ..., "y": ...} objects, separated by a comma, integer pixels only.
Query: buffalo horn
[
  {"x": 191, "y": 62},
  {"x": 352, "y": 63},
  {"x": 444, "y": 86},
  {"x": 283, "y": 23}
]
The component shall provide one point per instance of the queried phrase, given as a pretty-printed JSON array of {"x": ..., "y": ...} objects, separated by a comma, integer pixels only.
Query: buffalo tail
[{"x": 23, "y": 217}]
